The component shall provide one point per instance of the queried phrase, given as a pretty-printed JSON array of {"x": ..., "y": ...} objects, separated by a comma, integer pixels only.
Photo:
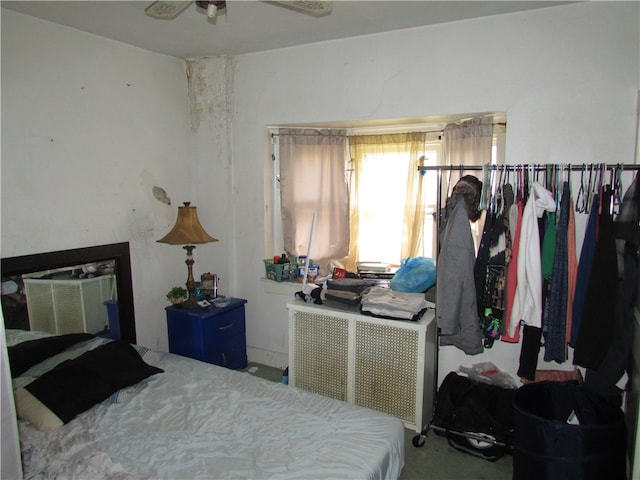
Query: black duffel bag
[{"x": 476, "y": 417}]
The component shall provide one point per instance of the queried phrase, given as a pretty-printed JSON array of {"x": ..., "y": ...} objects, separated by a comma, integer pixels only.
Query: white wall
[
  {"x": 89, "y": 126},
  {"x": 566, "y": 76}
]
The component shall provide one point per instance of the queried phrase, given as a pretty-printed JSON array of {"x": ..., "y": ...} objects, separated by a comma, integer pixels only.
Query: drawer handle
[{"x": 226, "y": 327}]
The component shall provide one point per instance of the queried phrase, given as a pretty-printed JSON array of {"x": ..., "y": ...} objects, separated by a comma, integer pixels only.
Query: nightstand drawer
[{"x": 224, "y": 326}]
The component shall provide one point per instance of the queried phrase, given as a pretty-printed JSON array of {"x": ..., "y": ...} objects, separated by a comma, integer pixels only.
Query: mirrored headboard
[{"x": 77, "y": 265}]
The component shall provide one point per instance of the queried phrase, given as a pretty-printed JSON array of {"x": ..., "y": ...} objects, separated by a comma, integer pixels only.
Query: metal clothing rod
[{"x": 537, "y": 167}]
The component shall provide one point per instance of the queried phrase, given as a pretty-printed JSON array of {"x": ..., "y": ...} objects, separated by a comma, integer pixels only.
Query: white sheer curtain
[
  {"x": 312, "y": 180},
  {"x": 400, "y": 220},
  {"x": 467, "y": 143}
]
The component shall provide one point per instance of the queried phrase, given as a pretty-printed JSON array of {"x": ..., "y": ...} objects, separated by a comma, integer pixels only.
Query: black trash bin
[{"x": 563, "y": 431}]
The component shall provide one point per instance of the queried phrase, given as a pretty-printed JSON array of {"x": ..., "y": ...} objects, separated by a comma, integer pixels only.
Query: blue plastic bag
[{"x": 415, "y": 275}]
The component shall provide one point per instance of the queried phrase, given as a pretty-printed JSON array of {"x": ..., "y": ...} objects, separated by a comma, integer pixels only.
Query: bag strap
[{"x": 497, "y": 450}]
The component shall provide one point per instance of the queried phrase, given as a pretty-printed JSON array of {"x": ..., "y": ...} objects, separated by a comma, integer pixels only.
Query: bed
[
  {"x": 159, "y": 415},
  {"x": 184, "y": 419}
]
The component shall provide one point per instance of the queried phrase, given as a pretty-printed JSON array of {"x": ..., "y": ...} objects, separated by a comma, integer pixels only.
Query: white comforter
[{"x": 199, "y": 421}]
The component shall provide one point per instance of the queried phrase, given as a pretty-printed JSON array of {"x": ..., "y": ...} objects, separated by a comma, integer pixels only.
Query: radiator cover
[
  {"x": 68, "y": 306},
  {"x": 385, "y": 365}
]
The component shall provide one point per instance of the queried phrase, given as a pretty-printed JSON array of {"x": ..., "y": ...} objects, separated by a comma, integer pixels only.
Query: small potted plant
[{"x": 177, "y": 295}]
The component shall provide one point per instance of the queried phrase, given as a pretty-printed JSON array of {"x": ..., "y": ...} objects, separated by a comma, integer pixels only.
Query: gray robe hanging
[{"x": 456, "y": 306}]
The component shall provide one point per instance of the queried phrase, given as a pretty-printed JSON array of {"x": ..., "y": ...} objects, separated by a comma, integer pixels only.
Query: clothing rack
[
  {"x": 569, "y": 167},
  {"x": 528, "y": 168},
  {"x": 537, "y": 167},
  {"x": 418, "y": 440}
]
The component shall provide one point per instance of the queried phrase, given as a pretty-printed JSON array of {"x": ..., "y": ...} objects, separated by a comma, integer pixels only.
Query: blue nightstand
[{"x": 214, "y": 335}]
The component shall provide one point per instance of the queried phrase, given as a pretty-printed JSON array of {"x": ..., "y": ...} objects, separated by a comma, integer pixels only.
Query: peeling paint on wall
[
  {"x": 160, "y": 194},
  {"x": 210, "y": 91}
]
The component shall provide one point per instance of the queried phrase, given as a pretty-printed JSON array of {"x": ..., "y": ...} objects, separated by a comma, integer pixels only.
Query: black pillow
[
  {"x": 25, "y": 355},
  {"x": 76, "y": 385}
]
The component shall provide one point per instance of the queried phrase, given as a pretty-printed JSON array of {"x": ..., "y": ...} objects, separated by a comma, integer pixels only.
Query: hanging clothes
[
  {"x": 531, "y": 335},
  {"x": 572, "y": 268},
  {"x": 596, "y": 328},
  {"x": 508, "y": 199},
  {"x": 584, "y": 269},
  {"x": 493, "y": 282},
  {"x": 548, "y": 246},
  {"x": 482, "y": 260},
  {"x": 482, "y": 255},
  {"x": 554, "y": 319},
  {"x": 619, "y": 355},
  {"x": 527, "y": 305},
  {"x": 529, "y": 352},
  {"x": 512, "y": 332},
  {"x": 528, "y": 298},
  {"x": 456, "y": 308},
  {"x": 547, "y": 226}
]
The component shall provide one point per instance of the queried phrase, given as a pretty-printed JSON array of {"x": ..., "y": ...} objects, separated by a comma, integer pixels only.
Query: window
[
  {"x": 386, "y": 193},
  {"x": 383, "y": 200},
  {"x": 395, "y": 204}
]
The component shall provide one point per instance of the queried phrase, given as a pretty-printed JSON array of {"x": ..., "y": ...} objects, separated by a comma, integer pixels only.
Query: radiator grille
[
  {"x": 68, "y": 306},
  {"x": 40, "y": 306},
  {"x": 385, "y": 369},
  {"x": 321, "y": 354}
]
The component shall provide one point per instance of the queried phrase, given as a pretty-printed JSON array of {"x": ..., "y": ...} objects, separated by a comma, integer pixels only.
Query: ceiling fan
[{"x": 170, "y": 10}]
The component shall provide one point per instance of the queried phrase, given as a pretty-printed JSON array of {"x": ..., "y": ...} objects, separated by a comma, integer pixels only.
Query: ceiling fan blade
[
  {"x": 166, "y": 10},
  {"x": 315, "y": 8}
]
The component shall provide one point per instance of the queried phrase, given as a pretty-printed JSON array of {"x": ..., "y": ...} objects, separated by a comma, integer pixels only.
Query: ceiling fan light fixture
[{"x": 212, "y": 10}]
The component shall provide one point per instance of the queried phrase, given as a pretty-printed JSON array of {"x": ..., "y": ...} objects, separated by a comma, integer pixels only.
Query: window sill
[{"x": 281, "y": 288}]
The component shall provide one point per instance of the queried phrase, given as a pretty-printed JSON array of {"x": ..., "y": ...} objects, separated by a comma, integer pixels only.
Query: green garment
[{"x": 549, "y": 246}]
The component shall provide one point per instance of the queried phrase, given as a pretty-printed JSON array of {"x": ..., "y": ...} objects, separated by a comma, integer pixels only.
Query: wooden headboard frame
[{"x": 115, "y": 251}]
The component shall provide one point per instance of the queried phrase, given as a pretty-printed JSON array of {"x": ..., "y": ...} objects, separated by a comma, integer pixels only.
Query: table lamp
[{"x": 187, "y": 231}]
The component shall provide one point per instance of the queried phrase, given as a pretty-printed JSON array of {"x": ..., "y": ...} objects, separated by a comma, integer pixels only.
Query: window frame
[{"x": 274, "y": 241}]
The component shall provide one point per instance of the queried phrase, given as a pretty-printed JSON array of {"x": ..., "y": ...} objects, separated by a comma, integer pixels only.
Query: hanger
[
  {"x": 525, "y": 183},
  {"x": 496, "y": 192},
  {"x": 581, "y": 199},
  {"x": 502, "y": 182},
  {"x": 602, "y": 169},
  {"x": 486, "y": 178},
  {"x": 590, "y": 188},
  {"x": 617, "y": 189},
  {"x": 566, "y": 178}
]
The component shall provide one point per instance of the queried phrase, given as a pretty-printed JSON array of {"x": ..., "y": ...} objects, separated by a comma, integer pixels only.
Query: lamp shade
[{"x": 187, "y": 230}]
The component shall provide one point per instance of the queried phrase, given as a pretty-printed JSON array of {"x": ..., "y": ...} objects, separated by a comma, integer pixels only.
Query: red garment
[
  {"x": 512, "y": 277},
  {"x": 572, "y": 267}
]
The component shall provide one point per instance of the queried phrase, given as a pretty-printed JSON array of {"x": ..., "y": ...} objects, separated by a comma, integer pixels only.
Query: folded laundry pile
[
  {"x": 387, "y": 303},
  {"x": 347, "y": 291}
]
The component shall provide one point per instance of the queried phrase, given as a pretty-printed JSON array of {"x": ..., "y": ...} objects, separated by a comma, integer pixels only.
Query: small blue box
[{"x": 114, "y": 319}]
